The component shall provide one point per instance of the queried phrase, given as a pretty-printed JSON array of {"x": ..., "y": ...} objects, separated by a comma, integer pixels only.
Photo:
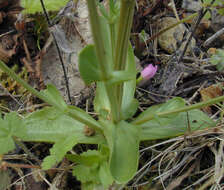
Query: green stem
[
  {"x": 13, "y": 75},
  {"x": 105, "y": 68},
  {"x": 90, "y": 123},
  {"x": 113, "y": 38},
  {"x": 139, "y": 79},
  {"x": 124, "y": 30},
  {"x": 97, "y": 34},
  {"x": 184, "y": 109}
]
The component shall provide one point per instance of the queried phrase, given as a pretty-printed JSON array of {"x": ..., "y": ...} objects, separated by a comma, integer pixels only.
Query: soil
[{"x": 192, "y": 161}]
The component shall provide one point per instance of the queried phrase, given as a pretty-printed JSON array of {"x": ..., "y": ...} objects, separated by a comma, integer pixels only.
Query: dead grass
[{"x": 195, "y": 161}]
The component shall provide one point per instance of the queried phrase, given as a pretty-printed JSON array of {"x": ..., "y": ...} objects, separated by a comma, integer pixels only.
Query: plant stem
[
  {"x": 90, "y": 123},
  {"x": 124, "y": 30},
  {"x": 184, "y": 109},
  {"x": 97, "y": 34},
  {"x": 113, "y": 39},
  {"x": 105, "y": 67}
]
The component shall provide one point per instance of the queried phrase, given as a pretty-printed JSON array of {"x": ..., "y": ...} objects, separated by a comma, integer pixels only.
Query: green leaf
[
  {"x": 129, "y": 104},
  {"x": 74, "y": 112},
  {"x": 89, "y": 158},
  {"x": 114, "y": 11},
  {"x": 92, "y": 168},
  {"x": 174, "y": 126},
  {"x": 218, "y": 59},
  {"x": 101, "y": 101},
  {"x": 87, "y": 166},
  {"x": 105, "y": 175},
  {"x": 51, "y": 125},
  {"x": 88, "y": 65},
  {"x": 54, "y": 95},
  {"x": 103, "y": 11},
  {"x": 91, "y": 186},
  {"x": 221, "y": 11},
  {"x": 168, "y": 106},
  {"x": 123, "y": 140},
  {"x": 58, "y": 151},
  {"x": 86, "y": 174},
  {"x": 7, "y": 144},
  {"x": 33, "y": 6},
  {"x": 12, "y": 125},
  {"x": 120, "y": 76},
  {"x": 207, "y": 15}
]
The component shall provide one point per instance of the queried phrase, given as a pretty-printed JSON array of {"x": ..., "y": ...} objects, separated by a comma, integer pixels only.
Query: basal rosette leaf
[
  {"x": 53, "y": 94},
  {"x": 123, "y": 140},
  {"x": 86, "y": 174},
  {"x": 11, "y": 126},
  {"x": 58, "y": 151},
  {"x": 174, "y": 124},
  {"x": 7, "y": 144},
  {"x": 92, "y": 168},
  {"x": 105, "y": 175},
  {"x": 168, "y": 106},
  {"x": 52, "y": 125},
  {"x": 160, "y": 127}
]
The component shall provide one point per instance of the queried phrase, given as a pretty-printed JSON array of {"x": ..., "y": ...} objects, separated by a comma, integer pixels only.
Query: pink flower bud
[{"x": 148, "y": 72}]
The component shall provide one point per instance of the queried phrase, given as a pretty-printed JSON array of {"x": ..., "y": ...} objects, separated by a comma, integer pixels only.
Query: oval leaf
[
  {"x": 88, "y": 65},
  {"x": 168, "y": 106},
  {"x": 180, "y": 124},
  {"x": 123, "y": 140}
]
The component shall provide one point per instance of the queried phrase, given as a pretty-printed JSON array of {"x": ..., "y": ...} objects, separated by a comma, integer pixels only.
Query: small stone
[
  {"x": 171, "y": 39},
  {"x": 191, "y": 5}
]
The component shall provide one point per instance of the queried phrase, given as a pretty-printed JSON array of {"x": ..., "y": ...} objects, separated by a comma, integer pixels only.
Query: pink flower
[{"x": 148, "y": 72}]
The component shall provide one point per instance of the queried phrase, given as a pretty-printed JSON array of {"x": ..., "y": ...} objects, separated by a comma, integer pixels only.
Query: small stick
[
  {"x": 213, "y": 37},
  {"x": 59, "y": 52},
  {"x": 175, "y": 10},
  {"x": 5, "y": 165}
]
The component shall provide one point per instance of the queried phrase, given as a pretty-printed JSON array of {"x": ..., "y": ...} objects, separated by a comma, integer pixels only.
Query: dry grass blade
[
  {"x": 176, "y": 182},
  {"x": 196, "y": 159}
]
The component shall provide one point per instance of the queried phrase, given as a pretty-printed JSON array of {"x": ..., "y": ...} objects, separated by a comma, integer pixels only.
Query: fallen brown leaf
[{"x": 209, "y": 93}]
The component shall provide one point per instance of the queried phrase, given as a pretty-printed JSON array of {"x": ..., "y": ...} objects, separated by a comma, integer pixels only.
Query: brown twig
[
  {"x": 213, "y": 38},
  {"x": 200, "y": 16},
  {"x": 4, "y": 165}
]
